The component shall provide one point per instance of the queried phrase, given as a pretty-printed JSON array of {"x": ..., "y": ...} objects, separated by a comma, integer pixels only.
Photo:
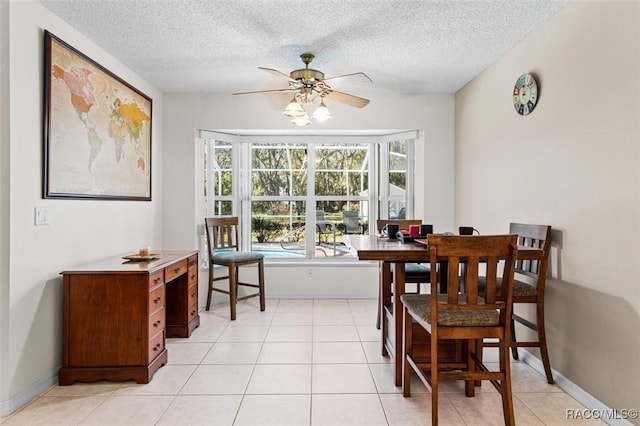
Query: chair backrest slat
[
  {"x": 222, "y": 233},
  {"x": 536, "y": 236},
  {"x": 452, "y": 281},
  {"x": 471, "y": 279}
]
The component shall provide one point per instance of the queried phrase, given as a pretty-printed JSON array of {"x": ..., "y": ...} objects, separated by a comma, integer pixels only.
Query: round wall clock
[{"x": 525, "y": 94}]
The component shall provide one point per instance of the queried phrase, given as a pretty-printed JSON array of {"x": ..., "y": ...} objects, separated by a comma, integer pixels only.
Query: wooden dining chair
[
  {"x": 224, "y": 249},
  {"x": 415, "y": 273},
  {"x": 464, "y": 316},
  {"x": 529, "y": 287}
]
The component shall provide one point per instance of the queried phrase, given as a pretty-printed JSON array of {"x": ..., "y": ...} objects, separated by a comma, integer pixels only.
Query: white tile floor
[{"x": 301, "y": 362}]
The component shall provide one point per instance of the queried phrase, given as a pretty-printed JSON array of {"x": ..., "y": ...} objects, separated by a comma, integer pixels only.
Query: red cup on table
[{"x": 414, "y": 230}]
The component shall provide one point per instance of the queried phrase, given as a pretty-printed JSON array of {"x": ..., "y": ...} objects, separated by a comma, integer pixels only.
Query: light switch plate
[{"x": 41, "y": 216}]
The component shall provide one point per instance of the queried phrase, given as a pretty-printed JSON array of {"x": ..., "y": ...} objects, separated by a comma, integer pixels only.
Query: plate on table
[{"x": 138, "y": 258}]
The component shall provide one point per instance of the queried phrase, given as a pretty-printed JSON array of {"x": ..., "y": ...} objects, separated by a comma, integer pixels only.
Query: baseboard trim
[
  {"x": 22, "y": 398},
  {"x": 583, "y": 397}
]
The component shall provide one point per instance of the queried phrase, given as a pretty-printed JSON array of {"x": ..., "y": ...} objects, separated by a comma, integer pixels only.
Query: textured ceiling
[{"x": 211, "y": 46}]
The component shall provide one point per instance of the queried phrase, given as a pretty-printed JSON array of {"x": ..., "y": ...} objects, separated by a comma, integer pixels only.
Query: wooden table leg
[{"x": 398, "y": 290}]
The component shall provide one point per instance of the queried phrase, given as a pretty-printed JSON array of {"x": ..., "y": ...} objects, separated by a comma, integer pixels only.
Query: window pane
[
  {"x": 397, "y": 209},
  {"x": 222, "y": 208},
  {"x": 222, "y": 182},
  {"x": 278, "y": 169},
  {"x": 221, "y": 168},
  {"x": 330, "y": 228},
  {"x": 398, "y": 164},
  {"x": 341, "y": 170},
  {"x": 279, "y": 183},
  {"x": 278, "y": 228}
]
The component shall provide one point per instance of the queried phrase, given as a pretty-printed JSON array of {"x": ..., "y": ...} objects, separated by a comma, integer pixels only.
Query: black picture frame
[{"x": 97, "y": 129}]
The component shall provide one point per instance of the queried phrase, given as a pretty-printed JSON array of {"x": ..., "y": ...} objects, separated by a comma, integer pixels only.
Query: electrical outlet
[{"x": 41, "y": 216}]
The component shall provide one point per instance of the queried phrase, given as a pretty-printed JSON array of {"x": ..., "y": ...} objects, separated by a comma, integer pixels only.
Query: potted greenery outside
[{"x": 259, "y": 224}]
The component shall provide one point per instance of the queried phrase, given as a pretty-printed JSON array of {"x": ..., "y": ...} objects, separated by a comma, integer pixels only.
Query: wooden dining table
[{"x": 394, "y": 254}]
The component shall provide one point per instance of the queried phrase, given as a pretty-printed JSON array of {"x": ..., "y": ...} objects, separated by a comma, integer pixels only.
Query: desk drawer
[
  {"x": 193, "y": 275},
  {"x": 156, "y": 299},
  {"x": 193, "y": 312},
  {"x": 156, "y": 279},
  {"x": 193, "y": 261},
  {"x": 175, "y": 270},
  {"x": 156, "y": 345},
  {"x": 156, "y": 322},
  {"x": 193, "y": 295}
]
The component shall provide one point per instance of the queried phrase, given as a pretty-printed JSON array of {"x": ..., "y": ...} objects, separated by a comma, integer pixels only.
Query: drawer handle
[
  {"x": 193, "y": 277},
  {"x": 193, "y": 294},
  {"x": 157, "y": 323},
  {"x": 193, "y": 313},
  {"x": 156, "y": 347},
  {"x": 157, "y": 280},
  {"x": 156, "y": 300},
  {"x": 176, "y": 270}
]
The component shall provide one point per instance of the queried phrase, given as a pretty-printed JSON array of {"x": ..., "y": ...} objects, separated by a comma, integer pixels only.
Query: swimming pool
[{"x": 281, "y": 254}]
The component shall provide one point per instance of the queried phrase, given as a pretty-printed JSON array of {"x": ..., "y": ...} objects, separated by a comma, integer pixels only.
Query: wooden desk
[
  {"x": 117, "y": 314},
  {"x": 393, "y": 252}
]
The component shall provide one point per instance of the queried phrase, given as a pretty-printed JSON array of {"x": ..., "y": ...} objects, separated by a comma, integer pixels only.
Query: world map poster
[{"x": 97, "y": 130}]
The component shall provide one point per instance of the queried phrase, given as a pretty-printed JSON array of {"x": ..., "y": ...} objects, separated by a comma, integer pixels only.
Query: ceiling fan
[{"x": 309, "y": 86}]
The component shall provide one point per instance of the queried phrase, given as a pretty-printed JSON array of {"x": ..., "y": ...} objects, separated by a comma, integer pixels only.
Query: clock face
[{"x": 525, "y": 94}]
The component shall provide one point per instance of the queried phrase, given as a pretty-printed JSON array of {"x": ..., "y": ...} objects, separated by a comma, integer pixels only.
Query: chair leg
[
  {"x": 542, "y": 340},
  {"x": 469, "y": 384},
  {"x": 434, "y": 379},
  {"x": 434, "y": 398},
  {"x": 514, "y": 349},
  {"x": 476, "y": 347},
  {"x": 480, "y": 355},
  {"x": 210, "y": 286},
  {"x": 384, "y": 298},
  {"x": 407, "y": 352},
  {"x": 261, "y": 284},
  {"x": 378, "y": 319},
  {"x": 233, "y": 290},
  {"x": 505, "y": 385}
]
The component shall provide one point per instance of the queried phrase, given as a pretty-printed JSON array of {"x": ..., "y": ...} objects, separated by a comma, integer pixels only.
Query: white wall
[
  {"x": 184, "y": 212},
  {"x": 80, "y": 231},
  {"x": 573, "y": 164},
  {"x": 4, "y": 202}
]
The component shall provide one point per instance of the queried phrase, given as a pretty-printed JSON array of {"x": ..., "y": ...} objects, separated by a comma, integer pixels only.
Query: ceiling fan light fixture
[
  {"x": 303, "y": 120},
  {"x": 294, "y": 109},
  {"x": 322, "y": 113},
  {"x": 309, "y": 87}
]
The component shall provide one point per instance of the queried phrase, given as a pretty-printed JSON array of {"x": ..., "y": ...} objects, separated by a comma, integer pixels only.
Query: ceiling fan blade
[
  {"x": 348, "y": 99},
  {"x": 354, "y": 78},
  {"x": 275, "y": 72},
  {"x": 265, "y": 91}
]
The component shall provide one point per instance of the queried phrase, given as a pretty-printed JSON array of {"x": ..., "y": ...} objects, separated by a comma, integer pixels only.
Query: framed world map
[{"x": 97, "y": 130}]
